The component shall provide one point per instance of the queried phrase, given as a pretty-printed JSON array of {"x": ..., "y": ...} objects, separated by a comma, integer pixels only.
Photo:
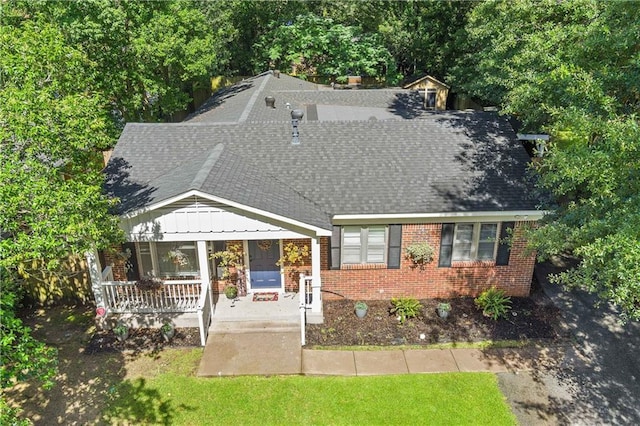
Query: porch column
[
  {"x": 96, "y": 276},
  {"x": 316, "y": 284},
  {"x": 203, "y": 262}
]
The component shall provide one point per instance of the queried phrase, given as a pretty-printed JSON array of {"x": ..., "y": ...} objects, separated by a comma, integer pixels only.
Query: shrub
[
  {"x": 493, "y": 303},
  {"x": 405, "y": 307}
]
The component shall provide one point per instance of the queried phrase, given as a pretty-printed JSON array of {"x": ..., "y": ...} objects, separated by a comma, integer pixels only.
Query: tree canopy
[
  {"x": 571, "y": 69},
  {"x": 319, "y": 46}
]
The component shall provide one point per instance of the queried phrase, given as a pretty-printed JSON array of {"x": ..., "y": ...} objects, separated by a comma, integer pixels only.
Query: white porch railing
[
  {"x": 107, "y": 274},
  {"x": 307, "y": 294},
  {"x": 174, "y": 296}
]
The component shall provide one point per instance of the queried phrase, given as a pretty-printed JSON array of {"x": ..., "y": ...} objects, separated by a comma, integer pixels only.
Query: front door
[{"x": 263, "y": 255}]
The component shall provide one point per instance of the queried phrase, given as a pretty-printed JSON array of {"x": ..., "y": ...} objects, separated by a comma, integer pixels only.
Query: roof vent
[
  {"x": 296, "y": 116},
  {"x": 270, "y": 101}
]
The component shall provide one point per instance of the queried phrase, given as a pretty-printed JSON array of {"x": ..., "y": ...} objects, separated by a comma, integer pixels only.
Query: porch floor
[{"x": 243, "y": 309}]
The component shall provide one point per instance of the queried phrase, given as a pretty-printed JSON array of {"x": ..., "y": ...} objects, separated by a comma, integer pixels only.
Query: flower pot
[
  {"x": 231, "y": 292},
  {"x": 168, "y": 335},
  {"x": 360, "y": 313},
  {"x": 443, "y": 312},
  {"x": 122, "y": 336}
]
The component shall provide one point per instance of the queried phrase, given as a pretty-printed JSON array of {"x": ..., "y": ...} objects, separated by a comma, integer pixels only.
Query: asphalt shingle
[{"x": 442, "y": 162}]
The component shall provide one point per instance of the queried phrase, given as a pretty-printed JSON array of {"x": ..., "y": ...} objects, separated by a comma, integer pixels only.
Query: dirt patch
[
  {"x": 141, "y": 339},
  {"x": 531, "y": 317}
]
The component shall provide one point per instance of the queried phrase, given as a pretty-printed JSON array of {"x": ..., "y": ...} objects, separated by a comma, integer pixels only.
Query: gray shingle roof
[
  {"x": 244, "y": 102},
  {"x": 442, "y": 162}
]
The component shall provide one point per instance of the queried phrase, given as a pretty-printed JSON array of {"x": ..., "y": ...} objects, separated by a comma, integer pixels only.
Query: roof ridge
[
  {"x": 207, "y": 166},
  {"x": 254, "y": 97}
]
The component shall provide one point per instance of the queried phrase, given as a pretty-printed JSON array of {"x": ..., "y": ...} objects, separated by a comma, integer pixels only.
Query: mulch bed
[
  {"x": 532, "y": 317},
  {"x": 141, "y": 339}
]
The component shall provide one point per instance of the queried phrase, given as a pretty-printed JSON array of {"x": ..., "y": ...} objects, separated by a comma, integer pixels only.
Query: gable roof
[
  {"x": 417, "y": 82},
  {"x": 241, "y": 151}
]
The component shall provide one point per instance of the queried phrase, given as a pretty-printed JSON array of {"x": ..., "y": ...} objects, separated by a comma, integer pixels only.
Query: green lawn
[{"x": 176, "y": 398}]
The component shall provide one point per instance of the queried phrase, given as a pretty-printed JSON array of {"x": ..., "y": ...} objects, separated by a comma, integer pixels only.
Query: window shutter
[
  {"x": 504, "y": 249},
  {"x": 395, "y": 246},
  {"x": 334, "y": 258},
  {"x": 446, "y": 244}
]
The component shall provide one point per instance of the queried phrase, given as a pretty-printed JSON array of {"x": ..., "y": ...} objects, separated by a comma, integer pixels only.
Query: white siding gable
[{"x": 196, "y": 218}]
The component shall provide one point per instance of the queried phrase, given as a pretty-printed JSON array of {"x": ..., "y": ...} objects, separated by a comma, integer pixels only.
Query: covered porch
[{"x": 192, "y": 303}]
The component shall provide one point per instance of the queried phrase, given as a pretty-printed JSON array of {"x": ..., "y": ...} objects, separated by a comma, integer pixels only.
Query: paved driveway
[{"x": 597, "y": 381}]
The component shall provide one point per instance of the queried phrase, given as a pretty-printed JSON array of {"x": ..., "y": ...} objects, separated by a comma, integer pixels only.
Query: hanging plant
[
  {"x": 420, "y": 253},
  {"x": 177, "y": 257},
  {"x": 149, "y": 284}
]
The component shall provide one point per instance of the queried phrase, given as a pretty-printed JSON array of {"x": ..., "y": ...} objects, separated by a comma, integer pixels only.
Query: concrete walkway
[
  {"x": 412, "y": 361},
  {"x": 271, "y": 352}
]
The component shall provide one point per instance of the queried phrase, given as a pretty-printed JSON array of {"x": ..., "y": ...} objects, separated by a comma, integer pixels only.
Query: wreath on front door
[{"x": 264, "y": 245}]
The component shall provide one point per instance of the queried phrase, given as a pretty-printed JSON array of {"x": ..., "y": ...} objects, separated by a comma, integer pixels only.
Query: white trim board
[
  {"x": 502, "y": 216},
  {"x": 285, "y": 222}
]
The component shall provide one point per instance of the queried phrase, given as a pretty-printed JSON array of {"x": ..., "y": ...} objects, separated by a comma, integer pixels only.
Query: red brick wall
[
  {"x": 116, "y": 262},
  {"x": 462, "y": 279}
]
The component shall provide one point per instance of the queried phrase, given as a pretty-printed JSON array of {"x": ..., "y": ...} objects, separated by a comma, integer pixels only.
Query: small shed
[{"x": 435, "y": 92}]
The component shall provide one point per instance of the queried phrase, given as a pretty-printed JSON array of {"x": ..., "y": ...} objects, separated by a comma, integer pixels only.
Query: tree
[
  {"x": 314, "y": 45},
  {"x": 570, "y": 69},
  {"x": 147, "y": 57},
  {"x": 53, "y": 127},
  {"x": 422, "y": 36}
]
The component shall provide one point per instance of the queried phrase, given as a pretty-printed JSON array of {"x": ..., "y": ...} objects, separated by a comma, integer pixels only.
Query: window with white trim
[
  {"x": 475, "y": 241},
  {"x": 364, "y": 244},
  {"x": 168, "y": 260}
]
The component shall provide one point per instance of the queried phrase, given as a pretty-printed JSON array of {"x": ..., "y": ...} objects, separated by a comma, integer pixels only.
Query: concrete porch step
[{"x": 261, "y": 326}]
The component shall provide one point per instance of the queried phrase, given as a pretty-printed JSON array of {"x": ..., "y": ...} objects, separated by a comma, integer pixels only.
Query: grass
[{"x": 176, "y": 397}]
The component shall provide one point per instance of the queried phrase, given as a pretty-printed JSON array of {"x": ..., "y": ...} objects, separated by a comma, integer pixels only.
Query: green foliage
[
  {"x": 493, "y": 303},
  {"x": 316, "y": 45},
  {"x": 231, "y": 291},
  {"x": 420, "y": 253},
  {"x": 360, "y": 305},
  {"x": 21, "y": 356},
  {"x": 167, "y": 327},
  {"x": 570, "y": 69},
  {"x": 146, "y": 57},
  {"x": 9, "y": 415},
  {"x": 444, "y": 307},
  {"x": 121, "y": 329},
  {"x": 51, "y": 133},
  {"x": 405, "y": 308}
]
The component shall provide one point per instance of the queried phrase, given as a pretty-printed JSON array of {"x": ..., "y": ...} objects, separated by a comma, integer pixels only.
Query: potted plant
[
  {"x": 229, "y": 260},
  {"x": 231, "y": 291},
  {"x": 443, "y": 309},
  {"x": 168, "y": 330},
  {"x": 361, "y": 309},
  {"x": 121, "y": 330}
]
